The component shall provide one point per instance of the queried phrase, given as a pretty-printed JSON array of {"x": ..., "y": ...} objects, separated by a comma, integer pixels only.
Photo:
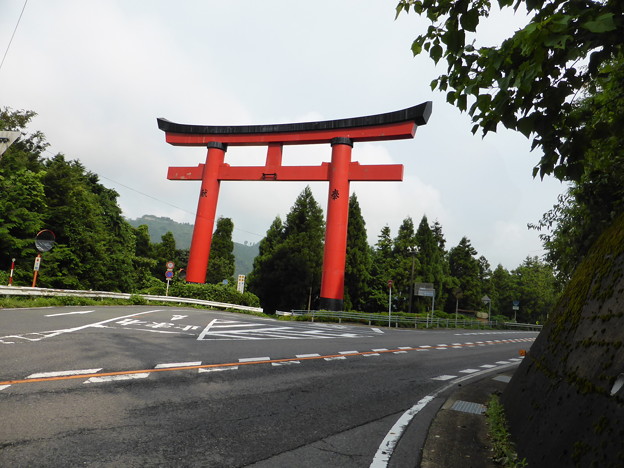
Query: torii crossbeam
[{"x": 341, "y": 134}]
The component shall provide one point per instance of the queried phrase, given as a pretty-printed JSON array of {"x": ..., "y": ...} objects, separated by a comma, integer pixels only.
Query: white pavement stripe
[
  {"x": 399, "y": 352},
  {"x": 254, "y": 359},
  {"x": 348, "y": 352},
  {"x": 442, "y": 345},
  {"x": 382, "y": 457},
  {"x": 503, "y": 362},
  {"x": 218, "y": 369},
  {"x": 469, "y": 371},
  {"x": 2, "y": 387},
  {"x": 285, "y": 363},
  {"x": 43, "y": 375},
  {"x": 336, "y": 358},
  {"x": 307, "y": 355},
  {"x": 488, "y": 366},
  {"x": 71, "y": 313},
  {"x": 371, "y": 354},
  {"x": 206, "y": 330},
  {"x": 380, "y": 349},
  {"x": 425, "y": 346},
  {"x": 177, "y": 364},
  {"x": 116, "y": 378},
  {"x": 405, "y": 347},
  {"x": 444, "y": 377},
  {"x": 377, "y": 330}
]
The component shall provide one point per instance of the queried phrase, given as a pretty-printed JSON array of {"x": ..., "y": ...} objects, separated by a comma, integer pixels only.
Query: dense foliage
[
  {"x": 96, "y": 248},
  {"x": 533, "y": 79},
  {"x": 282, "y": 278},
  {"x": 559, "y": 80}
]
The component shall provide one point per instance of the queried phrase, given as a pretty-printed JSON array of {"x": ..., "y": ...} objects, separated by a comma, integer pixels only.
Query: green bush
[{"x": 214, "y": 292}]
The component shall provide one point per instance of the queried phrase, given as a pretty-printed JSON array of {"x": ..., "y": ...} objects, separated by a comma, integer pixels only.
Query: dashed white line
[
  {"x": 254, "y": 359},
  {"x": 43, "y": 375},
  {"x": 218, "y": 369},
  {"x": 285, "y": 363},
  {"x": 177, "y": 364},
  {"x": 115, "y": 378},
  {"x": 444, "y": 377},
  {"x": 469, "y": 371},
  {"x": 488, "y": 366},
  {"x": 503, "y": 362},
  {"x": 335, "y": 358},
  {"x": 301, "y": 356},
  {"x": 2, "y": 387}
]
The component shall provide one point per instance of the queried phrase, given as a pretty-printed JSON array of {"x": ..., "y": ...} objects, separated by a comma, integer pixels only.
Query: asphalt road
[{"x": 174, "y": 386}]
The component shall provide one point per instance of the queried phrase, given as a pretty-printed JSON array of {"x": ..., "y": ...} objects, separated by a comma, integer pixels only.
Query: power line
[{"x": 13, "y": 35}]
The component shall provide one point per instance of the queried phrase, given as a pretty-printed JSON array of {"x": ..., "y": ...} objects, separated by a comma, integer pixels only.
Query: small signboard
[
  {"x": 240, "y": 286},
  {"x": 168, "y": 274},
  {"x": 37, "y": 263},
  {"x": 170, "y": 265}
]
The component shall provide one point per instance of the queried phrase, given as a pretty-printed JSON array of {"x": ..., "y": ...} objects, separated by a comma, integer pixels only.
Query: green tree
[
  {"x": 222, "y": 259},
  {"x": 465, "y": 267},
  {"x": 532, "y": 81},
  {"x": 264, "y": 280},
  {"x": 502, "y": 292},
  {"x": 432, "y": 261},
  {"x": 536, "y": 290},
  {"x": 596, "y": 199},
  {"x": 382, "y": 270},
  {"x": 287, "y": 271},
  {"x": 358, "y": 261},
  {"x": 404, "y": 256}
]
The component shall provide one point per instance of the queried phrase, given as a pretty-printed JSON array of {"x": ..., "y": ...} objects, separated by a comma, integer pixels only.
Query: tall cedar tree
[
  {"x": 287, "y": 272},
  {"x": 431, "y": 260},
  {"x": 465, "y": 268},
  {"x": 381, "y": 271},
  {"x": 222, "y": 259},
  {"x": 404, "y": 258},
  {"x": 358, "y": 264},
  {"x": 264, "y": 279}
]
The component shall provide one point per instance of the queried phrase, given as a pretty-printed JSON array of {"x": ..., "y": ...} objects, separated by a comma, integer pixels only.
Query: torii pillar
[{"x": 341, "y": 134}]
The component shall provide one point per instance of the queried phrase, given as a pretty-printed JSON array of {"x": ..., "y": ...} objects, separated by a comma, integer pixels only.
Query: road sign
[
  {"x": 6, "y": 139},
  {"x": 170, "y": 265},
  {"x": 168, "y": 274},
  {"x": 37, "y": 263},
  {"x": 390, "y": 283}
]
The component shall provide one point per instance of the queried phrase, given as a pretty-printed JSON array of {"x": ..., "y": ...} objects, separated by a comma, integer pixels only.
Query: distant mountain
[{"x": 183, "y": 233}]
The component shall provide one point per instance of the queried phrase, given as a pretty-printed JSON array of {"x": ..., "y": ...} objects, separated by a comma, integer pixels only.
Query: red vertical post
[
  {"x": 335, "y": 254},
  {"x": 205, "y": 217}
]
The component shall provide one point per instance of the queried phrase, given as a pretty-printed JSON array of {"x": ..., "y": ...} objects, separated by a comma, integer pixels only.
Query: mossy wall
[{"x": 559, "y": 403}]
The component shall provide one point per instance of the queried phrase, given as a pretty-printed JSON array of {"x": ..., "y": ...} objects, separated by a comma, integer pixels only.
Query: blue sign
[{"x": 168, "y": 274}]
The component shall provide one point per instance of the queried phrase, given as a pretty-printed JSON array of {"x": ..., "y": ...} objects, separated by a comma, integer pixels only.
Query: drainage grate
[{"x": 468, "y": 407}]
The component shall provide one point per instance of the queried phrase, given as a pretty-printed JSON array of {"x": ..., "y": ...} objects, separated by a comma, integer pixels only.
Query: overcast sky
[{"x": 99, "y": 73}]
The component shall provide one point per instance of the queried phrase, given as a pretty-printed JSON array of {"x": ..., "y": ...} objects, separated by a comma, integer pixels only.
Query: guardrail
[
  {"x": 26, "y": 291},
  {"x": 401, "y": 320}
]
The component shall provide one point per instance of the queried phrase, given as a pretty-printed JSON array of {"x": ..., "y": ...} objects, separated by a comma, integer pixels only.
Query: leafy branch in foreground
[{"x": 533, "y": 79}]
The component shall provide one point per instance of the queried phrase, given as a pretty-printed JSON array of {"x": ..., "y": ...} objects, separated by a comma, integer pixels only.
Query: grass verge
[{"x": 504, "y": 451}]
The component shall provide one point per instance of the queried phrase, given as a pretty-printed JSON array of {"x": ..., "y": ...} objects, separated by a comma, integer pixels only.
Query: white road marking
[
  {"x": 43, "y": 375},
  {"x": 71, "y": 313},
  {"x": 348, "y": 352},
  {"x": 399, "y": 352},
  {"x": 444, "y": 377},
  {"x": 115, "y": 378},
  {"x": 488, "y": 366},
  {"x": 301, "y": 356},
  {"x": 254, "y": 359},
  {"x": 377, "y": 330},
  {"x": 380, "y": 349},
  {"x": 177, "y": 364},
  {"x": 206, "y": 330},
  {"x": 2, "y": 387},
  {"x": 52, "y": 333},
  {"x": 218, "y": 369},
  {"x": 336, "y": 358},
  {"x": 385, "y": 450},
  {"x": 285, "y": 363},
  {"x": 503, "y": 362},
  {"x": 178, "y": 317},
  {"x": 469, "y": 371},
  {"x": 371, "y": 354}
]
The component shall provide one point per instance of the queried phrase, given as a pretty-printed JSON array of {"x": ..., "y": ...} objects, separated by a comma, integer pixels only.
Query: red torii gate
[{"x": 341, "y": 134}]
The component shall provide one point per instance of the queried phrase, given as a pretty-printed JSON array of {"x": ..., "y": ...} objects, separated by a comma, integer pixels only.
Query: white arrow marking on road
[
  {"x": 71, "y": 313},
  {"x": 178, "y": 317}
]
